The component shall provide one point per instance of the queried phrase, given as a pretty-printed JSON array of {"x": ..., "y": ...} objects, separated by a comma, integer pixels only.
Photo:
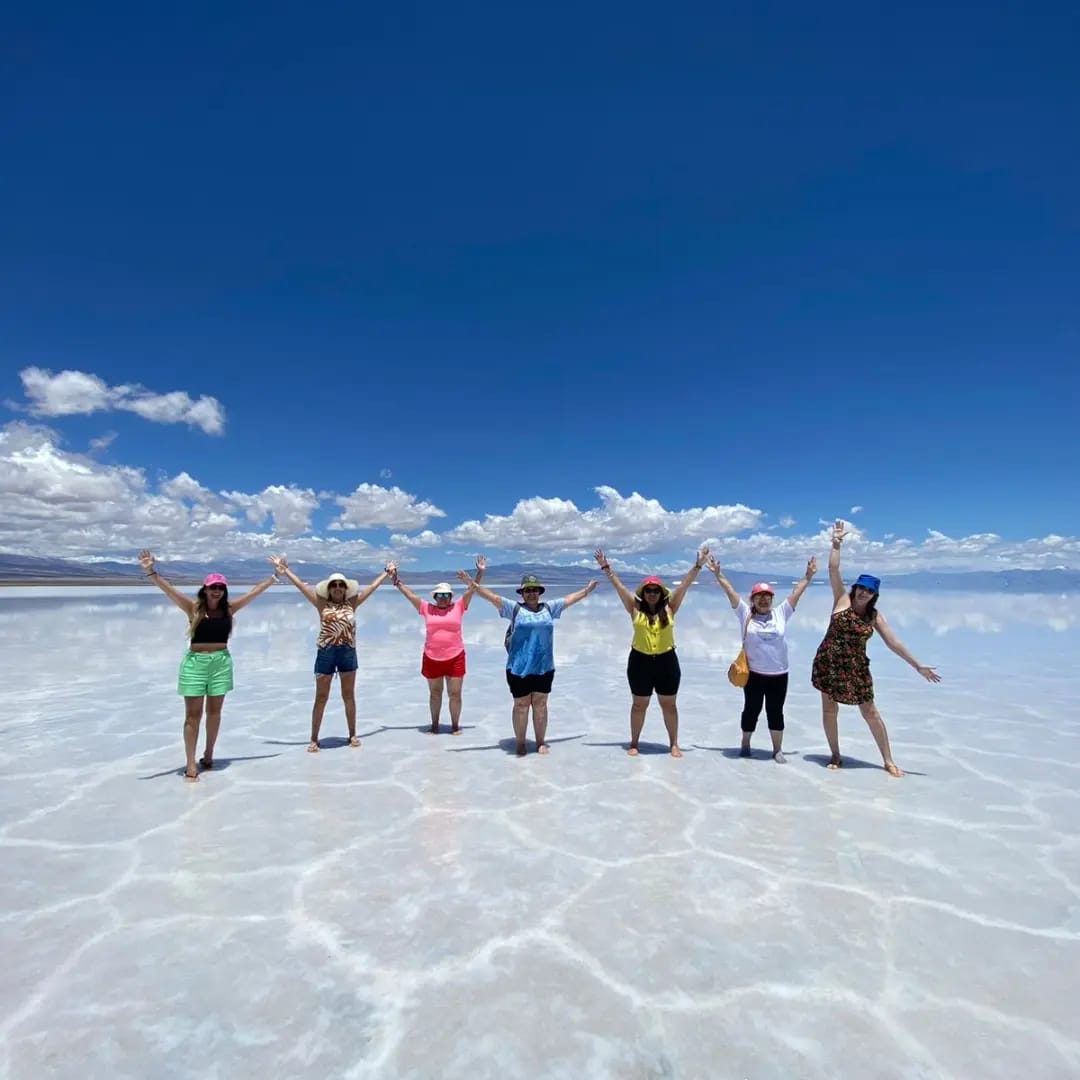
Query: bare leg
[
  {"x": 671, "y": 721},
  {"x": 348, "y": 698},
  {"x": 213, "y": 726},
  {"x": 540, "y": 717},
  {"x": 521, "y": 721},
  {"x": 877, "y": 728},
  {"x": 193, "y": 708},
  {"x": 322, "y": 693},
  {"x": 639, "y": 706},
  {"x": 777, "y": 740},
  {"x": 435, "y": 689},
  {"x": 829, "y": 712},
  {"x": 454, "y": 686}
]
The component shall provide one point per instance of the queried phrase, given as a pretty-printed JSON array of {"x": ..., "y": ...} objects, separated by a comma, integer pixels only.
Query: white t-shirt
[{"x": 766, "y": 643}]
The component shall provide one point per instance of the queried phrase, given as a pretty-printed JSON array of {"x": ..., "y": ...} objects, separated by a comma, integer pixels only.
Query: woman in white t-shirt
[{"x": 764, "y": 631}]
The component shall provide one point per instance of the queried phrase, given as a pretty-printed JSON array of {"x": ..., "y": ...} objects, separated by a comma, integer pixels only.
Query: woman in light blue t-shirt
[{"x": 530, "y": 660}]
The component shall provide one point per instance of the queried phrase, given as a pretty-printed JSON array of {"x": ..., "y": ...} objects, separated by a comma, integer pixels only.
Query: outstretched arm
[
  {"x": 722, "y": 581},
  {"x": 574, "y": 597},
  {"x": 897, "y": 646},
  {"x": 801, "y": 586},
  {"x": 281, "y": 566},
  {"x": 184, "y": 603},
  {"x": 487, "y": 594},
  {"x": 835, "y": 580},
  {"x": 481, "y": 566},
  {"x": 689, "y": 578},
  {"x": 402, "y": 587},
  {"x": 243, "y": 601},
  {"x": 629, "y": 601},
  {"x": 365, "y": 593}
]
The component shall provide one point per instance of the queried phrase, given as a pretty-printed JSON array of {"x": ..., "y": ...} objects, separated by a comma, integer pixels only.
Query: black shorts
[
  {"x": 660, "y": 673},
  {"x": 524, "y": 685}
]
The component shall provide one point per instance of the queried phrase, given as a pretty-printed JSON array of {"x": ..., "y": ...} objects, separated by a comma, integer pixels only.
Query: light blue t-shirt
[{"x": 532, "y": 645}]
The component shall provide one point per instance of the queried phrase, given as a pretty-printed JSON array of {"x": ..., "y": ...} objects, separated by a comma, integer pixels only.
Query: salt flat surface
[{"x": 433, "y": 907}]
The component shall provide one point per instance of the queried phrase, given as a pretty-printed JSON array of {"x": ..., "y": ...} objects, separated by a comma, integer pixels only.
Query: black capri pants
[
  {"x": 770, "y": 690},
  {"x": 648, "y": 672}
]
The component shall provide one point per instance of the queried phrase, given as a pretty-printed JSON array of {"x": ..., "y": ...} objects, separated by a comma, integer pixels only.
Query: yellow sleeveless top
[{"x": 652, "y": 638}]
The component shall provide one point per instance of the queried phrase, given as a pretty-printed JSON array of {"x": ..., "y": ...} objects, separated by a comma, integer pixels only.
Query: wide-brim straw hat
[{"x": 352, "y": 587}]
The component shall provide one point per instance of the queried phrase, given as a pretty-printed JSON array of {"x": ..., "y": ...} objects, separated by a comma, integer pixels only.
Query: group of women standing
[{"x": 841, "y": 668}]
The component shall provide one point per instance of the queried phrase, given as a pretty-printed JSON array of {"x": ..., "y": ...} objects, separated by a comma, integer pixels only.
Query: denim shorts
[{"x": 331, "y": 658}]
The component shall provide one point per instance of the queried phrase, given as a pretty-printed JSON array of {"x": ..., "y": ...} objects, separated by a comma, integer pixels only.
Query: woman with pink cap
[
  {"x": 841, "y": 670},
  {"x": 764, "y": 631},
  {"x": 336, "y": 599},
  {"x": 206, "y": 672},
  {"x": 443, "y": 662},
  {"x": 653, "y": 664}
]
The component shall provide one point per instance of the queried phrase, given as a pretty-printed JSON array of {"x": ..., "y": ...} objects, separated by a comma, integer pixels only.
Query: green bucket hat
[{"x": 530, "y": 581}]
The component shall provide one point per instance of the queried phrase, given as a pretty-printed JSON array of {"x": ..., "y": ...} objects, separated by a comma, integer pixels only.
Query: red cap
[
  {"x": 215, "y": 579},
  {"x": 760, "y": 587}
]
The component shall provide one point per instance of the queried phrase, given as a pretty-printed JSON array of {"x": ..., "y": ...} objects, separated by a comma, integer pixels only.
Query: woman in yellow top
[{"x": 653, "y": 664}]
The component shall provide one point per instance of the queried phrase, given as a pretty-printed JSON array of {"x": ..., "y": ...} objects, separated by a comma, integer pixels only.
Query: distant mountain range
[{"x": 25, "y": 569}]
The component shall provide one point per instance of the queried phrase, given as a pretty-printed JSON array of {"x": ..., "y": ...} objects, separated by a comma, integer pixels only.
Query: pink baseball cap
[
  {"x": 760, "y": 587},
  {"x": 215, "y": 579}
]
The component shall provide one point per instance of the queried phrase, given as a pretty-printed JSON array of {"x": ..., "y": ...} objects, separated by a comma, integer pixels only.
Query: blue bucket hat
[{"x": 868, "y": 581}]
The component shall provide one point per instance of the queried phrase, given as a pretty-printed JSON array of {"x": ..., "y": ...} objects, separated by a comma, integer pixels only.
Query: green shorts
[{"x": 205, "y": 674}]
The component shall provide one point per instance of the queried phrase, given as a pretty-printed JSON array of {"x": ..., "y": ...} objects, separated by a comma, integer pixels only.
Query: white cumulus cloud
[
  {"x": 70, "y": 393},
  {"x": 372, "y": 506}
]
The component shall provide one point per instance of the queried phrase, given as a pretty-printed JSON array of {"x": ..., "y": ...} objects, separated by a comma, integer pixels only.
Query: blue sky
[{"x": 465, "y": 279}]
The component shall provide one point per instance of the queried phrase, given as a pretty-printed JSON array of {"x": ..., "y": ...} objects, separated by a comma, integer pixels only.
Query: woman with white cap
[
  {"x": 653, "y": 664},
  {"x": 206, "y": 672},
  {"x": 841, "y": 667},
  {"x": 443, "y": 663},
  {"x": 336, "y": 599},
  {"x": 764, "y": 630}
]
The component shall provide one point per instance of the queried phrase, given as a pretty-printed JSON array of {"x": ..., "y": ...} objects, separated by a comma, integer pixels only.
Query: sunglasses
[
  {"x": 531, "y": 588},
  {"x": 443, "y": 595},
  {"x": 337, "y": 584},
  {"x": 218, "y": 588},
  {"x": 652, "y": 590}
]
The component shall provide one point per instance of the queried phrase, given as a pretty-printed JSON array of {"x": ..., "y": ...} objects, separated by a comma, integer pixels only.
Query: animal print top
[{"x": 338, "y": 625}]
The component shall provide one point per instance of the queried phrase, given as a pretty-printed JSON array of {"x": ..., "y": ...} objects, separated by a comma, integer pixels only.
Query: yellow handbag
[{"x": 739, "y": 672}]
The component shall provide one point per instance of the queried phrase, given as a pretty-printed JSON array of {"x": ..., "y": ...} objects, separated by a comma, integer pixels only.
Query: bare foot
[
  {"x": 633, "y": 751},
  {"x": 893, "y": 769},
  {"x": 354, "y": 740},
  {"x": 433, "y": 730},
  {"x": 455, "y": 730},
  {"x": 520, "y": 749},
  {"x": 675, "y": 751},
  {"x": 206, "y": 761},
  {"x": 313, "y": 746},
  {"x": 836, "y": 762},
  {"x": 191, "y": 776},
  {"x": 542, "y": 748},
  {"x": 744, "y": 750}
]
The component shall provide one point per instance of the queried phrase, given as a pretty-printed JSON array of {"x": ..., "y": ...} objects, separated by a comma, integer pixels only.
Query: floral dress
[{"x": 841, "y": 666}]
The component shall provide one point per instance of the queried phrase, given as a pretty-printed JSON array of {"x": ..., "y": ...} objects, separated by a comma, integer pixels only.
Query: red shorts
[{"x": 453, "y": 668}]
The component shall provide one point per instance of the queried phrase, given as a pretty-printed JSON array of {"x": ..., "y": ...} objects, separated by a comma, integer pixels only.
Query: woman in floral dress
[{"x": 841, "y": 667}]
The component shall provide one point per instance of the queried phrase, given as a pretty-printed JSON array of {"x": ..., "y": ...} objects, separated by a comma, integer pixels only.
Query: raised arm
[
  {"x": 835, "y": 580},
  {"x": 801, "y": 586},
  {"x": 184, "y": 603},
  {"x": 402, "y": 587},
  {"x": 487, "y": 594},
  {"x": 574, "y": 597},
  {"x": 897, "y": 646},
  {"x": 243, "y": 601},
  {"x": 629, "y": 601},
  {"x": 481, "y": 566},
  {"x": 722, "y": 581},
  {"x": 689, "y": 578},
  {"x": 365, "y": 593},
  {"x": 281, "y": 566}
]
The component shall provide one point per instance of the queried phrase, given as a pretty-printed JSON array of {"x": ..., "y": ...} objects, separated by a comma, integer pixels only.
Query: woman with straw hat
[
  {"x": 841, "y": 670},
  {"x": 530, "y": 648},
  {"x": 764, "y": 631},
  {"x": 653, "y": 664},
  {"x": 443, "y": 662},
  {"x": 206, "y": 672},
  {"x": 336, "y": 600}
]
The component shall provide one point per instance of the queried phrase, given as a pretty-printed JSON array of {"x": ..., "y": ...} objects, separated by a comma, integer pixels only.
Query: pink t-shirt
[{"x": 444, "y": 640}]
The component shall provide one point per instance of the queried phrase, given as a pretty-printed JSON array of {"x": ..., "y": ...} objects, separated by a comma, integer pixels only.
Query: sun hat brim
[{"x": 352, "y": 587}]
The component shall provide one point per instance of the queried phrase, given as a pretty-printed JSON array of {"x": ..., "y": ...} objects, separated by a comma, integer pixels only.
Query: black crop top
[{"x": 212, "y": 631}]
